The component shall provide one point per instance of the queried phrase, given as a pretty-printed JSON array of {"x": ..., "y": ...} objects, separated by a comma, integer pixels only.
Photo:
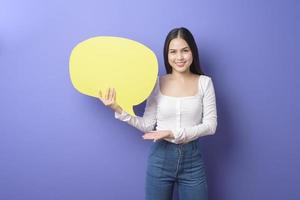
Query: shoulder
[
  {"x": 205, "y": 82},
  {"x": 162, "y": 80},
  {"x": 157, "y": 84},
  {"x": 204, "y": 79},
  {"x": 164, "y": 77}
]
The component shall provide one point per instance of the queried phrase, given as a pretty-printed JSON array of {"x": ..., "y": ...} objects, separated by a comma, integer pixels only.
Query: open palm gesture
[{"x": 157, "y": 135}]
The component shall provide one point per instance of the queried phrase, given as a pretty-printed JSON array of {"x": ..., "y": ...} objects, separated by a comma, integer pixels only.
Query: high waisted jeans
[{"x": 170, "y": 163}]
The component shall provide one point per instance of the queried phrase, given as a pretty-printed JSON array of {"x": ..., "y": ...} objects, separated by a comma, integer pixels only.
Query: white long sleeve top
[{"x": 188, "y": 117}]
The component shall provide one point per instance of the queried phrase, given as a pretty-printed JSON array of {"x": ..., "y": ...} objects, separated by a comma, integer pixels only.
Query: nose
[{"x": 179, "y": 56}]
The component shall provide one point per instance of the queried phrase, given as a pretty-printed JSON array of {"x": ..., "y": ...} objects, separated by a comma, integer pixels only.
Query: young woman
[{"x": 180, "y": 109}]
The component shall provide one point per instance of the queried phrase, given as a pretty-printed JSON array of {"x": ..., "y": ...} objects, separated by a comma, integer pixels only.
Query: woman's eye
[{"x": 186, "y": 50}]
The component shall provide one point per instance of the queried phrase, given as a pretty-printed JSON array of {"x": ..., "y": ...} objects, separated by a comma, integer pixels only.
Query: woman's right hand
[{"x": 109, "y": 99}]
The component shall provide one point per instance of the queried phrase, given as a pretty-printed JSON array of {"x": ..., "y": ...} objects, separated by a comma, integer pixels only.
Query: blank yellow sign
[{"x": 102, "y": 62}]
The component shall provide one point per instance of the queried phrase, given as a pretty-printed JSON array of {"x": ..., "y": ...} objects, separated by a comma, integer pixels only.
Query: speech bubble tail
[{"x": 129, "y": 110}]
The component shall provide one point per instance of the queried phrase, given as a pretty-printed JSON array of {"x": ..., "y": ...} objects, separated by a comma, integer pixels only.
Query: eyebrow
[{"x": 182, "y": 48}]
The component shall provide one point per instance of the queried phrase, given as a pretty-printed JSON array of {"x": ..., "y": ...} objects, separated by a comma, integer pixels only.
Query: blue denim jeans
[{"x": 170, "y": 163}]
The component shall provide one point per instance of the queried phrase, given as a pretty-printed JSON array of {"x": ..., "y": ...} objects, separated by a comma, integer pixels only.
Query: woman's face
[{"x": 180, "y": 55}]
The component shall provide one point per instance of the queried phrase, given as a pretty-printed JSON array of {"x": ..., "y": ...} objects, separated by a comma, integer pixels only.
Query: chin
[{"x": 181, "y": 70}]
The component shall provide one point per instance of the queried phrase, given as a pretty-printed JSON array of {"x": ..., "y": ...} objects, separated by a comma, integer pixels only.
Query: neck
[{"x": 182, "y": 76}]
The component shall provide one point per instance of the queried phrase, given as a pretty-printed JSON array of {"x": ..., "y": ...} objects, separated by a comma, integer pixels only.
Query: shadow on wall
[{"x": 218, "y": 150}]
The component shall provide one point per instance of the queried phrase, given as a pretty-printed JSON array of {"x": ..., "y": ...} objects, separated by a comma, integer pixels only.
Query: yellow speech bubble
[{"x": 102, "y": 62}]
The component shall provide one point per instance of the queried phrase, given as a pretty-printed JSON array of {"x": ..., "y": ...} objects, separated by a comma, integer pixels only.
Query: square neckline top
[{"x": 183, "y": 97}]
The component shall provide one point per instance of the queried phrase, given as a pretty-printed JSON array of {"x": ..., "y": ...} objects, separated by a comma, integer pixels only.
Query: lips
[{"x": 180, "y": 64}]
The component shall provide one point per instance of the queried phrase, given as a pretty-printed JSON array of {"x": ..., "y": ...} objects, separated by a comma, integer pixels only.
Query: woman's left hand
[{"x": 157, "y": 135}]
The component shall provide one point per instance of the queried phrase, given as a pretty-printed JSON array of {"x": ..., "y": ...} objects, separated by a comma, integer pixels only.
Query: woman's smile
[
  {"x": 180, "y": 56},
  {"x": 180, "y": 64}
]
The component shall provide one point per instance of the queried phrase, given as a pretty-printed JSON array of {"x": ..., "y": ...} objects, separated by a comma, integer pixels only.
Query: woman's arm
[
  {"x": 146, "y": 122},
  {"x": 209, "y": 120}
]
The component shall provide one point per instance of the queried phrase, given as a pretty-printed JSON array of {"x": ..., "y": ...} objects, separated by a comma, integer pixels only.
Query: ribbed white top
[{"x": 188, "y": 117}]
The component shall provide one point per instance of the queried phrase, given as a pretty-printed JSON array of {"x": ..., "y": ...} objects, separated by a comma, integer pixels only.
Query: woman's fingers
[
  {"x": 100, "y": 94},
  {"x": 156, "y": 135},
  {"x": 106, "y": 94},
  {"x": 150, "y": 136},
  {"x": 114, "y": 95},
  {"x": 109, "y": 96}
]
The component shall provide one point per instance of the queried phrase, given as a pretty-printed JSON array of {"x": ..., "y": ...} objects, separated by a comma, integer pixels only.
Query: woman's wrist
[{"x": 116, "y": 108}]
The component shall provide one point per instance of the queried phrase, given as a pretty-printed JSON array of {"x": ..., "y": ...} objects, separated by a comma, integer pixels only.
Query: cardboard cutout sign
[{"x": 102, "y": 62}]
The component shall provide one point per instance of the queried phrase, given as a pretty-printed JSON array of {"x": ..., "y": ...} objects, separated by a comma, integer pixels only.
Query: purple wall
[{"x": 58, "y": 144}]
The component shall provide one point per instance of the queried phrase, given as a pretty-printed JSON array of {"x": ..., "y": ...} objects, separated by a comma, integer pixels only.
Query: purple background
[{"x": 58, "y": 144}]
